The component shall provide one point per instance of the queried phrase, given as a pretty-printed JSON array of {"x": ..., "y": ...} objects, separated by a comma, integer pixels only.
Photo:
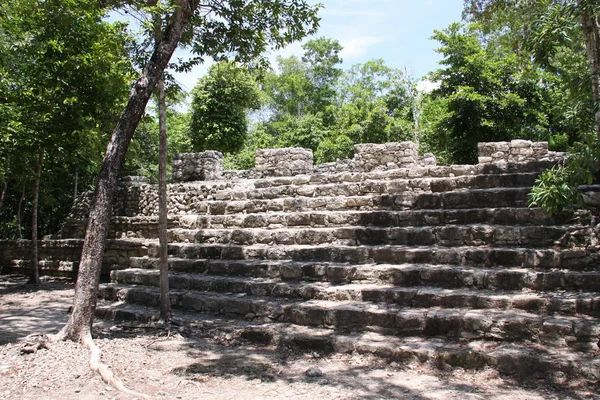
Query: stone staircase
[{"x": 393, "y": 258}]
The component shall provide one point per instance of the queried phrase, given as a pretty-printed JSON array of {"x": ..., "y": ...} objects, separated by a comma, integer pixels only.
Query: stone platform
[{"x": 385, "y": 253}]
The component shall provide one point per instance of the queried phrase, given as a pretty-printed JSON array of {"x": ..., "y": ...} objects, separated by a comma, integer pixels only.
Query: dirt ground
[{"x": 197, "y": 360}]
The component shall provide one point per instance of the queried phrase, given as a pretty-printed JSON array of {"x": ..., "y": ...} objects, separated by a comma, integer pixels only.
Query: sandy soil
[{"x": 197, "y": 359}]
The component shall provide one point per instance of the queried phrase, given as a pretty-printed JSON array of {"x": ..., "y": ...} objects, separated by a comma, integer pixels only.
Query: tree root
[
  {"x": 33, "y": 343},
  {"x": 98, "y": 366},
  {"x": 107, "y": 375}
]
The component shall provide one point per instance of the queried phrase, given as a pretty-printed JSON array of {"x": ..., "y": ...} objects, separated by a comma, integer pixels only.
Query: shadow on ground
[{"x": 32, "y": 309}]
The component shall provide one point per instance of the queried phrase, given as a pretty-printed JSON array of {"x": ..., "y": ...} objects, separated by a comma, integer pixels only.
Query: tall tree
[
  {"x": 490, "y": 98},
  {"x": 220, "y": 102},
  {"x": 163, "y": 266},
  {"x": 321, "y": 56},
  {"x": 541, "y": 28},
  {"x": 59, "y": 89},
  {"x": 212, "y": 28}
]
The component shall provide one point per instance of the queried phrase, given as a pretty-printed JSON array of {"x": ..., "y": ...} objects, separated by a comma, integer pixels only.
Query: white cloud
[
  {"x": 426, "y": 86},
  {"x": 356, "y": 47}
]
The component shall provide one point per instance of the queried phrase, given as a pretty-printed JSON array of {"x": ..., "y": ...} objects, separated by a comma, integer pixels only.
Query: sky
[{"x": 398, "y": 31}]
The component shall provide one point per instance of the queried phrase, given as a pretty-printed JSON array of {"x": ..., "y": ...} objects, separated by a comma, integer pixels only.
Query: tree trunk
[
  {"x": 165, "y": 301},
  {"x": 84, "y": 304},
  {"x": 34, "y": 276},
  {"x": 3, "y": 193},
  {"x": 591, "y": 33},
  {"x": 75, "y": 184},
  {"x": 20, "y": 214}
]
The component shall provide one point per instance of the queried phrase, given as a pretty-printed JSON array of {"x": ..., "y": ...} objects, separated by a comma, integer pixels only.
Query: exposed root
[
  {"x": 33, "y": 343},
  {"x": 107, "y": 375}
]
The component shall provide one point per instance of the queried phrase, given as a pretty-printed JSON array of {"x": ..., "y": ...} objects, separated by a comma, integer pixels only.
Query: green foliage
[
  {"x": 549, "y": 33},
  {"x": 219, "y": 106},
  {"x": 305, "y": 85},
  {"x": 435, "y": 136},
  {"x": 322, "y": 57},
  {"x": 334, "y": 148},
  {"x": 288, "y": 90},
  {"x": 312, "y": 103},
  {"x": 306, "y": 131},
  {"x": 64, "y": 74},
  {"x": 489, "y": 97},
  {"x": 142, "y": 155},
  {"x": 258, "y": 138},
  {"x": 557, "y": 189}
]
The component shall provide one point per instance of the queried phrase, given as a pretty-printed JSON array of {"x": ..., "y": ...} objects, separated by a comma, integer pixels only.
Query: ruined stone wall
[
  {"x": 205, "y": 166},
  {"x": 515, "y": 151},
  {"x": 136, "y": 197},
  {"x": 284, "y": 162},
  {"x": 61, "y": 257},
  {"x": 282, "y": 180},
  {"x": 370, "y": 157},
  {"x": 293, "y": 161}
]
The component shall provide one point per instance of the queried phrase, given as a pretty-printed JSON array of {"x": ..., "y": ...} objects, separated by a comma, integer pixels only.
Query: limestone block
[
  {"x": 284, "y": 162},
  {"x": 387, "y": 156},
  {"x": 519, "y": 144},
  {"x": 515, "y": 151},
  {"x": 203, "y": 166}
]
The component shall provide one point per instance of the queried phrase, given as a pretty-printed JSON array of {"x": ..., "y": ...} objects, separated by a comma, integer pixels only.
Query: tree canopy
[{"x": 220, "y": 102}]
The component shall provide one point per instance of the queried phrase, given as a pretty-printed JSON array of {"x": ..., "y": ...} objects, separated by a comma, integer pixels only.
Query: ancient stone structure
[
  {"x": 60, "y": 257},
  {"x": 515, "y": 151},
  {"x": 284, "y": 162},
  {"x": 369, "y": 157},
  {"x": 203, "y": 166},
  {"x": 385, "y": 253}
]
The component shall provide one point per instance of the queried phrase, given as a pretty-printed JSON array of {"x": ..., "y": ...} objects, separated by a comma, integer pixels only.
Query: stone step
[
  {"x": 512, "y": 359},
  {"x": 374, "y": 187},
  {"x": 191, "y": 197},
  {"x": 457, "y": 256},
  {"x": 581, "y": 333},
  {"x": 442, "y": 276},
  {"x": 458, "y": 199},
  {"x": 141, "y": 226},
  {"x": 444, "y": 236},
  {"x": 458, "y": 172},
  {"x": 420, "y": 297}
]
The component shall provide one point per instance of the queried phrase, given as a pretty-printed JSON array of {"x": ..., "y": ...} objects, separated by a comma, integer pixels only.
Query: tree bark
[
  {"x": 75, "y": 184},
  {"x": 20, "y": 214},
  {"x": 591, "y": 33},
  {"x": 34, "y": 276},
  {"x": 4, "y": 184},
  {"x": 3, "y": 193},
  {"x": 165, "y": 301},
  {"x": 84, "y": 304}
]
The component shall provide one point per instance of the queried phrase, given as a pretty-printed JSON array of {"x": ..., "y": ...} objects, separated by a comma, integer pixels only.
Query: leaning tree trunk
[
  {"x": 591, "y": 33},
  {"x": 84, "y": 304},
  {"x": 34, "y": 276}
]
